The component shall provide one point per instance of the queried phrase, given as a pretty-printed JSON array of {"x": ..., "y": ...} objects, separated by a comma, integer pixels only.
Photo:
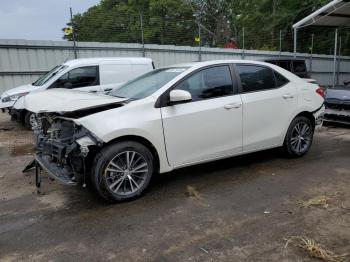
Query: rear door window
[
  {"x": 256, "y": 78},
  {"x": 280, "y": 79}
]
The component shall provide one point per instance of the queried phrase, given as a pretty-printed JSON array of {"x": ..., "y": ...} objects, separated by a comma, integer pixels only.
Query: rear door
[
  {"x": 269, "y": 100},
  {"x": 208, "y": 127}
]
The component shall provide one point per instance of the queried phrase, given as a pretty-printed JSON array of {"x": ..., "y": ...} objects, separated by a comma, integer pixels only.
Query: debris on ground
[
  {"x": 317, "y": 201},
  {"x": 314, "y": 249},
  {"x": 267, "y": 212},
  {"x": 204, "y": 250},
  {"x": 192, "y": 192}
]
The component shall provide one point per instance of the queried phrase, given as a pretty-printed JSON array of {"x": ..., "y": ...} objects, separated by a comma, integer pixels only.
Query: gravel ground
[{"x": 243, "y": 209}]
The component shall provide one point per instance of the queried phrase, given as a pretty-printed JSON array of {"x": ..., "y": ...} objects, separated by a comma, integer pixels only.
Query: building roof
[{"x": 334, "y": 14}]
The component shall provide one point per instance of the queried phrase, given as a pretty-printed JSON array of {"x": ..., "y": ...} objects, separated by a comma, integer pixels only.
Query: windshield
[
  {"x": 147, "y": 84},
  {"x": 43, "y": 79}
]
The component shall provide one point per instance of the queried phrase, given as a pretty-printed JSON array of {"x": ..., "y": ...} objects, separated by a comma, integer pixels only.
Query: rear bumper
[
  {"x": 54, "y": 171},
  {"x": 319, "y": 115},
  {"x": 337, "y": 116}
]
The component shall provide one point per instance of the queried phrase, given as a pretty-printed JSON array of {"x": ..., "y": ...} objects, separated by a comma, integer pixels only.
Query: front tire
[
  {"x": 30, "y": 120},
  {"x": 299, "y": 137},
  {"x": 122, "y": 171}
]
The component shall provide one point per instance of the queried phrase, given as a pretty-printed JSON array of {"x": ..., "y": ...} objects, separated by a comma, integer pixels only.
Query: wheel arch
[
  {"x": 304, "y": 113},
  {"x": 145, "y": 142},
  {"x": 308, "y": 115}
]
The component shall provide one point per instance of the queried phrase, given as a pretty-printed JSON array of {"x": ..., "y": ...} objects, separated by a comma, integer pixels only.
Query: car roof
[
  {"x": 97, "y": 60},
  {"x": 217, "y": 62}
]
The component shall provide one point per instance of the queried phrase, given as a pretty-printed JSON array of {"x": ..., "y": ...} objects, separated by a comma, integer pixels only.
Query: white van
[{"x": 87, "y": 74}]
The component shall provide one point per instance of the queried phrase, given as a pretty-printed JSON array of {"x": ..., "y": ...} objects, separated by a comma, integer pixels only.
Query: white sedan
[{"x": 170, "y": 118}]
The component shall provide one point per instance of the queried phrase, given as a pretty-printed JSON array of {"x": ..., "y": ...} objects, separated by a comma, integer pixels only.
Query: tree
[{"x": 176, "y": 22}]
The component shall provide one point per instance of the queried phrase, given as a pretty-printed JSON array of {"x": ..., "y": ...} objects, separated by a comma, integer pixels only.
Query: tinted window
[
  {"x": 256, "y": 78},
  {"x": 208, "y": 83},
  {"x": 78, "y": 77},
  {"x": 299, "y": 66},
  {"x": 280, "y": 79},
  {"x": 284, "y": 64}
]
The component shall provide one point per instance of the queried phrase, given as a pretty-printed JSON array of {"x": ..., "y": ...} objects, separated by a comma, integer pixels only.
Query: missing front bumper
[{"x": 61, "y": 174}]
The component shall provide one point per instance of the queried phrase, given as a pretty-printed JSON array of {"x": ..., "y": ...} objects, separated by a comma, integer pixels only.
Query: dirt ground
[{"x": 245, "y": 209}]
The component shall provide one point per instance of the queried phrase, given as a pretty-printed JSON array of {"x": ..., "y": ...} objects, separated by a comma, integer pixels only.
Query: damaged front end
[{"x": 62, "y": 148}]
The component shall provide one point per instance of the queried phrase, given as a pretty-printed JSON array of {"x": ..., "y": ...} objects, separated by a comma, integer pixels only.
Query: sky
[{"x": 38, "y": 19}]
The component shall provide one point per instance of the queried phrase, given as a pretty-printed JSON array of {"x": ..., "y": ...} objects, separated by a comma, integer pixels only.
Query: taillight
[{"x": 321, "y": 92}]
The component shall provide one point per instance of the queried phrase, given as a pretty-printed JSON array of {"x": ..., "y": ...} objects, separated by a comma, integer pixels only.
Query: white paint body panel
[
  {"x": 266, "y": 114},
  {"x": 196, "y": 132},
  {"x": 202, "y": 129}
]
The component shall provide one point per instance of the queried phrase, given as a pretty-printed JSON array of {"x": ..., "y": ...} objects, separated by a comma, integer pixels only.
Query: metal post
[
  {"x": 295, "y": 42},
  {"x": 73, "y": 33},
  {"x": 142, "y": 36},
  {"x": 338, "y": 65},
  {"x": 311, "y": 51},
  {"x": 335, "y": 57},
  {"x": 280, "y": 43},
  {"x": 243, "y": 43},
  {"x": 199, "y": 43}
]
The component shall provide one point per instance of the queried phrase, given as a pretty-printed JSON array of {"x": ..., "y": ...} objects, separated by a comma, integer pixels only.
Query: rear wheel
[
  {"x": 299, "y": 137},
  {"x": 122, "y": 171}
]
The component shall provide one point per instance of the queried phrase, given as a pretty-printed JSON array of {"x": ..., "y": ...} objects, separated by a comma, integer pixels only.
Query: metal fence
[{"x": 22, "y": 61}]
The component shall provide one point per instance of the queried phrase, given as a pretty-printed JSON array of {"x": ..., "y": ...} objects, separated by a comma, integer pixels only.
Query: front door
[
  {"x": 84, "y": 78},
  {"x": 208, "y": 127}
]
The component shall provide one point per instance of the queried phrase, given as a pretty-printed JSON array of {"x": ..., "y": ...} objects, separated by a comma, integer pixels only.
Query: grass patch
[
  {"x": 192, "y": 192},
  {"x": 315, "y": 250},
  {"x": 321, "y": 201}
]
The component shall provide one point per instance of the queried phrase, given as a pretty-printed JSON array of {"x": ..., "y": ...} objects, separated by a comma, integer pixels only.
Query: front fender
[{"x": 140, "y": 120}]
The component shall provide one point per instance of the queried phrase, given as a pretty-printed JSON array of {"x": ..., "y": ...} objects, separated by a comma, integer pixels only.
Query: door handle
[
  {"x": 93, "y": 91},
  {"x": 232, "y": 106},
  {"x": 108, "y": 89},
  {"x": 288, "y": 96}
]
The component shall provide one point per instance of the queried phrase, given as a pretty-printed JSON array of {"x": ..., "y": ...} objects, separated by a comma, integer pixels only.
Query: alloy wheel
[
  {"x": 126, "y": 173},
  {"x": 301, "y": 137}
]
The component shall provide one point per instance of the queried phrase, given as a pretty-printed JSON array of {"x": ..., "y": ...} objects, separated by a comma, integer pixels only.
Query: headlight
[{"x": 13, "y": 97}]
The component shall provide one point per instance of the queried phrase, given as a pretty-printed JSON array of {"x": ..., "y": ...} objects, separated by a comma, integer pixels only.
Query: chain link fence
[{"x": 184, "y": 31}]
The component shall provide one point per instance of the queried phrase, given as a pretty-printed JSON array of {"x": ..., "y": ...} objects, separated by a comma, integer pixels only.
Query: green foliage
[{"x": 176, "y": 22}]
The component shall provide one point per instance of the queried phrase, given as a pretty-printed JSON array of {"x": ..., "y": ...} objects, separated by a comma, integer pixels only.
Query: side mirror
[
  {"x": 179, "y": 96},
  {"x": 346, "y": 82},
  {"x": 67, "y": 85}
]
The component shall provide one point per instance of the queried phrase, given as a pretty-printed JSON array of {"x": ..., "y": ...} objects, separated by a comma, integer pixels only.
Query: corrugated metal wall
[{"x": 23, "y": 61}]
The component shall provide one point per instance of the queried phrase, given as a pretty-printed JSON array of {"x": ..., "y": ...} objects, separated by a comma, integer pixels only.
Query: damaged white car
[{"x": 170, "y": 118}]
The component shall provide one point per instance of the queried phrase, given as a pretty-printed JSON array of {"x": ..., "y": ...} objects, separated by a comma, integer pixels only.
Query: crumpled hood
[
  {"x": 65, "y": 100},
  {"x": 340, "y": 93},
  {"x": 18, "y": 90}
]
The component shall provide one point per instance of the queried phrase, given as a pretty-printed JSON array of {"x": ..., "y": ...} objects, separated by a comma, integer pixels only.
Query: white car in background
[
  {"x": 94, "y": 75},
  {"x": 170, "y": 118}
]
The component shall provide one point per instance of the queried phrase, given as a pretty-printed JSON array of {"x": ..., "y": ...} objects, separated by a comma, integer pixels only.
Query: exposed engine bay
[{"x": 62, "y": 147}]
